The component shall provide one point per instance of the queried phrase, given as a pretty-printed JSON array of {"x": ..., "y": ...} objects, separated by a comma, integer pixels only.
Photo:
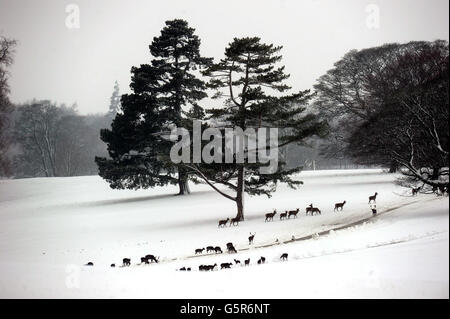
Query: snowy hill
[{"x": 50, "y": 227}]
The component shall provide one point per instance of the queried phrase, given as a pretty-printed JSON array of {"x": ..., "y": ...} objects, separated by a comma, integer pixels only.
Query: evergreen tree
[
  {"x": 165, "y": 92},
  {"x": 256, "y": 96}
]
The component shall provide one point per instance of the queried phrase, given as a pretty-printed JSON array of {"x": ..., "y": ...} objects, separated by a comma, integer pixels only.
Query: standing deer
[
  {"x": 250, "y": 238},
  {"x": 269, "y": 216},
  {"x": 151, "y": 258},
  {"x": 339, "y": 205},
  {"x": 284, "y": 256},
  {"x": 126, "y": 262},
  {"x": 415, "y": 190},
  {"x": 316, "y": 210},
  {"x": 283, "y": 215},
  {"x": 247, "y": 262},
  {"x": 309, "y": 209},
  {"x": 373, "y": 198},
  {"x": 293, "y": 213}
]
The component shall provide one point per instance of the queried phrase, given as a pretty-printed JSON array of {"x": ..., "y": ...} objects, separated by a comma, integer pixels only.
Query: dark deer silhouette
[
  {"x": 373, "y": 198},
  {"x": 210, "y": 249},
  {"x": 144, "y": 260},
  {"x": 235, "y": 221},
  {"x": 223, "y": 222},
  {"x": 284, "y": 256},
  {"x": 151, "y": 258},
  {"x": 283, "y": 215},
  {"x": 126, "y": 262},
  {"x": 293, "y": 213},
  {"x": 199, "y": 251},
  {"x": 218, "y": 250},
  {"x": 316, "y": 210},
  {"x": 338, "y": 206},
  {"x": 269, "y": 216},
  {"x": 250, "y": 238},
  {"x": 309, "y": 209},
  {"x": 113, "y": 265},
  {"x": 237, "y": 261},
  {"x": 262, "y": 260},
  {"x": 247, "y": 262},
  {"x": 225, "y": 265}
]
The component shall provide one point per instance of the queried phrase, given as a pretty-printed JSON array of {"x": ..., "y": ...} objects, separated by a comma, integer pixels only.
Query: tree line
[{"x": 385, "y": 106}]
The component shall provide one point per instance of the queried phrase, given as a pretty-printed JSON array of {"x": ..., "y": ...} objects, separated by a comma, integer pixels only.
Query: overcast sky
[{"x": 67, "y": 65}]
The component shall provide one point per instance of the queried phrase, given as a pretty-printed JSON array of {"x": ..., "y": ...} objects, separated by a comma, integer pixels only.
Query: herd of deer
[
  {"x": 293, "y": 213},
  {"x": 230, "y": 247}
]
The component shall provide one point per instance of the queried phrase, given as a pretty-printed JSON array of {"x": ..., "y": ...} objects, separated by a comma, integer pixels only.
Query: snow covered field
[{"x": 50, "y": 227}]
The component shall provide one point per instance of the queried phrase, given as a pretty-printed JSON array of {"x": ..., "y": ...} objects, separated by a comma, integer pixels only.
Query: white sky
[{"x": 81, "y": 65}]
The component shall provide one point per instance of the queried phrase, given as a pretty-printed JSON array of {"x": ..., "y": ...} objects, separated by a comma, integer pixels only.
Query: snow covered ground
[{"x": 50, "y": 227}]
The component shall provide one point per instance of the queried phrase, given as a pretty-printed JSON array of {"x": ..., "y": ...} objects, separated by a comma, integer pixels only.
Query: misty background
[{"x": 71, "y": 71}]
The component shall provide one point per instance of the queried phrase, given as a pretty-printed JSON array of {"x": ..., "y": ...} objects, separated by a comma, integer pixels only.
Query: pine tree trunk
[
  {"x": 183, "y": 182},
  {"x": 393, "y": 167},
  {"x": 240, "y": 194}
]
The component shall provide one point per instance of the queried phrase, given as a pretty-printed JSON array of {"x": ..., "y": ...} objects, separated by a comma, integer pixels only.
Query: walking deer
[
  {"x": 223, "y": 222},
  {"x": 234, "y": 221},
  {"x": 210, "y": 249},
  {"x": 199, "y": 251},
  {"x": 262, "y": 260},
  {"x": 338, "y": 206},
  {"x": 373, "y": 198},
  {"x": 269, "y": 216},
  {"x": 316, "y": 210},
  {"x": 283, "y": 215},
  {"x": 218, "y": 250},
  {"x": 284, "y": 256},
  {"x": 293, "y": 213},
  {"x": 309, "y": 209}
]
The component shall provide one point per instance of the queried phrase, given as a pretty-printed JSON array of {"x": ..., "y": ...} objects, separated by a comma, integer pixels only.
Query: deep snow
[{"x": 50, "y": 227}]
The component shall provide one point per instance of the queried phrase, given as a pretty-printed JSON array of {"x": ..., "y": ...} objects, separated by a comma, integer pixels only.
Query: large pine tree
[
  {"x": 165, "y": 92},
  {"x": 252, "y": 87}
]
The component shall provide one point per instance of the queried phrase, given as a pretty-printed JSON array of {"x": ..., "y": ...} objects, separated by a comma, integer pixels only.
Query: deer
[
  {"x": 231, "y": 249},
  {"x": 293, "y": 213},
  {"x": 218, "y": 250},
  {"x": 199, "y": 251},
  {"x": 262, "y": 260},
  {"x": 235, "y": 221},
  {"x": 126, "y": 262},
  {"x": 223, "y": 222},
  {"x": 250, "y": 238},
  {"x": 283, "y": 215},
  {"x": 237, "y": 261},
  {"x": 210, "y": 267},
  {"x": 151, "y": 258},
  {"x": 284, "y": 256},
  {"x": 316, "y": 210},
  {"x": 309, "y": 209},
  {"x": 113, "y": 265},
  {"x": 225, "y": 265},
  {"x": 339, "y": 205},
  {"x": 182, "y": 269},
  {"x": 373, "y": 198},
  {"x": 210, "y": 249},
  {"x": 269, "y": 216},
  {"x": 144, "y": 260},
  {"x": 415, "y": 190},
  {"x": 247, "y": 262}
]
